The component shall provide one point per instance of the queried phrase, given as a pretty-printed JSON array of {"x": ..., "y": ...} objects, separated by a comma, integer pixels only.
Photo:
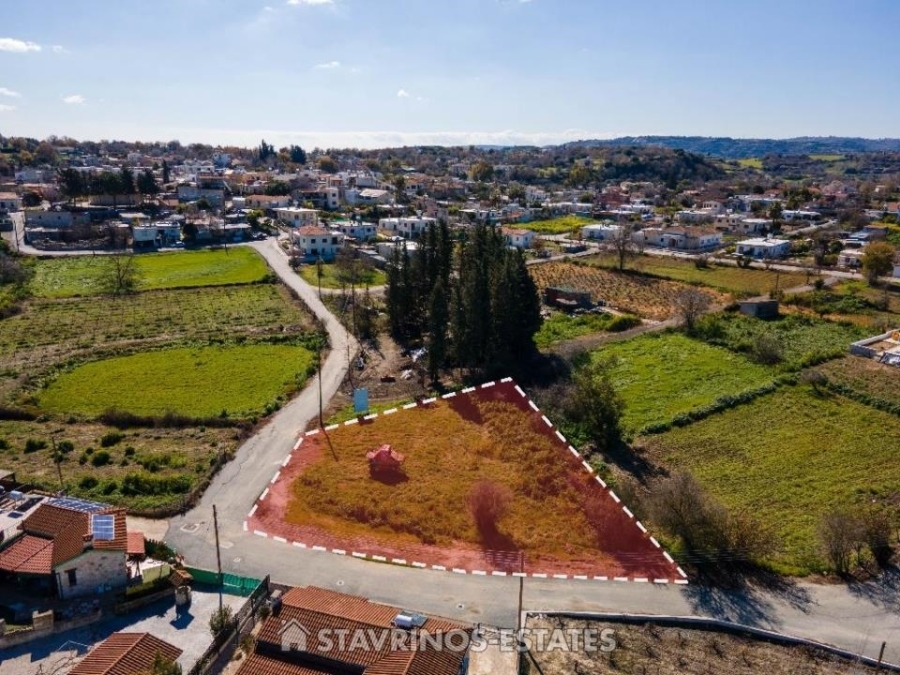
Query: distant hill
[{"x": 742, "y": 148}]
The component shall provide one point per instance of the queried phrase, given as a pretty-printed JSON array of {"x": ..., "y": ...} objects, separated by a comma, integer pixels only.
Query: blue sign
[{"x": 361, "y": 401}]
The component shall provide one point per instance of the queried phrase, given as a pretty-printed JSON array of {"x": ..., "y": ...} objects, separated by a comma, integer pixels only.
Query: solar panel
[
  {"x": 103, "y": 527},
  {"x": 75, "y": 504}
]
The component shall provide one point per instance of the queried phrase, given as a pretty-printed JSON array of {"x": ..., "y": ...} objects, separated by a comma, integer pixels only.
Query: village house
[
  {"x": 267, "y": 203},
  {"x": 291, "y": 639},
  {"x": 356, "y": 229},
  {"x": 600, "y": 231},
  {"x": 682, "y": 238},
  {"x": 518, "y": 238},
  {"x": 297, "y": 217},
  {"x": 10, "y": 201},
  {"x": 752, "y": 225},
  {"x": 850, "y": 257},
  {"x": 766, "y": 249},
  {"x": 410, "y": 227},
  {"x": 313, "y": 243},
  {"x": 70, "y": 548}
]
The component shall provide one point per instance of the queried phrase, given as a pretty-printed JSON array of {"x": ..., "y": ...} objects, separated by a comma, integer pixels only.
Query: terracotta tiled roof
[
  {"x": 125, "y": 654},
  {"x": 119, "y": 542},
  {"x": 312, "y": 610},
  {"x": 136, "y": 544},
  {"x": 65, "y": 527},
  {"x": 29, "y": 554},
  {"x": 312, "y": 231},
  {"x": 259, "y": 664}
]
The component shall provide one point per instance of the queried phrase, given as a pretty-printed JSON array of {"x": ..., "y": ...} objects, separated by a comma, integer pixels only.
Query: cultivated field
[
  {"x": 557, "y": 512},
  {"x": 561, "y": 225},
  {"x": 72, "y": 276},
  {"x": 647, "y": 297},
  {"x": 652, "y": 649},
  {"x": 333, "y": 278},
  {"x": 663, "y": 375},
  {"x": 788, "y": 458},
  {"x": 866, "y": 377},
  {"x": 735, "y": 280},
  {"x": 238, "y": 381},
  {"x": 213, "y": 355},
  {"x": 797, "y": 340}
]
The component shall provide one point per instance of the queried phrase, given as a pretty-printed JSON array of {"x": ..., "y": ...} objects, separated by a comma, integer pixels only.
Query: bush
[
  {"x": 487, "y": 502},
  {"x": 101, "y": 458},
  {"x": 33, "y": 445},
  {"x": 88, "y": 483},
  {"x": 65, "y": 447},
  {"x": 221, "y": 621},
  {"x": 111, "y": 439}
]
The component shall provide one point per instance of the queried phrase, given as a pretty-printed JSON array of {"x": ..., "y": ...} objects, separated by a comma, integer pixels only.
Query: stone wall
[{"x": 95, "y": 571}]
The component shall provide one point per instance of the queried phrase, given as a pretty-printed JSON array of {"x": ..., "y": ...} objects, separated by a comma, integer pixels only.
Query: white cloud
[
  {"x": 310, "y": 2},
  {"x": 20, "y": 46},
  {"x": 59, "y": 49},
  {"x": 329, "y": 65},
  {"x": 9, "y": 92},
  {"x": 74, "y": 99},
  {"x": 402, "y": 94},
  {"x": 6, "y": 108}
]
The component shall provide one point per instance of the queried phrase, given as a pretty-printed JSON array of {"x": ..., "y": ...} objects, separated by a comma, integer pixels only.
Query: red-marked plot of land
[{"x": 479, "y": 481}]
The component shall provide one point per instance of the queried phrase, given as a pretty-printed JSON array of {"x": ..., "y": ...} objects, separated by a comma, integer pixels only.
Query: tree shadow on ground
[
  {"x": 389, "y": 477},
  {"x": 633, "y": 461},
  {"x": 743, "y": 595},
  {"x": 883, "y": 591}
]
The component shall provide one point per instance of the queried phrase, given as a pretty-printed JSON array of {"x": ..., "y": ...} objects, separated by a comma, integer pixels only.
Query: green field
[
  {"x": 561, "y": 327},
  {"x": 77, "y": 276},
  {"x": 736, "y": 280},
  {"x": 826, "y": 158},
  {"x": 333, "y": 278},
  {"x": 788, "y": 458},
  {"x": 751, "y": 163},
  {"x": 802, "y": 340},
  {"x": 198, "y": 382},
  {"x": 866, "y": 377},
  {"x": 561, "y": 225},
  {"x": 49, "y": 331},
  {"x": 666, "y": 374}
]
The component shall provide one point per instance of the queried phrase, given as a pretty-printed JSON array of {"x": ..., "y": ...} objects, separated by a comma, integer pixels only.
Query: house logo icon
[{"x": 293, "y": 636}]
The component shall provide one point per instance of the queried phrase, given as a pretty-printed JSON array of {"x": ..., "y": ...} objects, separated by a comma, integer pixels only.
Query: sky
[{"x": 377, "y": 73}]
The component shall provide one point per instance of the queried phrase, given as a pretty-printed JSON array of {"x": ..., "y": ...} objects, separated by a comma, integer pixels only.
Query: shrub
[
  {"x": 221, "y": 621},
  {"x": 33, "y": 445},
  {"x": 88, "y": 482},
  {"x": 4, "y": 444},
  {"x": 487, "y": 502},
  {"x": 110, "y": 439},
  {"x": 65, "y": 447},
  {"x": 101, "y": 458}
]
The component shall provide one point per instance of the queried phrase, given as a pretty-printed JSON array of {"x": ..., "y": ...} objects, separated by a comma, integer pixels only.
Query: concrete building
[
  {"x": 766, "y": 249},
  {"x": 518, "y": 238},
  {"x": 409, "y": 227},
  {"x": 10, "y": 201},
  {"x": 312, "y": 243},
  {"x": 297, "y": 217}
]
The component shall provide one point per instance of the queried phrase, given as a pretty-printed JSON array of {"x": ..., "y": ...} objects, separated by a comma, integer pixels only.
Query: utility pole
[
  {"x": 57, "y": 457},
  {"x": 319, "y": 355},
  {"x": 218, "y": 554}
]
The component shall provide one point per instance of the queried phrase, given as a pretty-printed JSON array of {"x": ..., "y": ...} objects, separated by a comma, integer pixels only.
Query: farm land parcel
[
  {"x": 790, "y": 457},
  {"x": 216, "y": 356},
  {"x": 560, "y": 519}
]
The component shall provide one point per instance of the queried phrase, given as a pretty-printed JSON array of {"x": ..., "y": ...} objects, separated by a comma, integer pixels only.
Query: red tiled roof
[
  {"x": 136, "y": 544},
  {"x": 314, "y": 609},
  {"x": 65, "y": 527},
  {"x": 29, "y": 554},
  {"x": 312, "y": 231},
  {"x": 125, "y": 654},
  {"x": 259, "y": 664}
]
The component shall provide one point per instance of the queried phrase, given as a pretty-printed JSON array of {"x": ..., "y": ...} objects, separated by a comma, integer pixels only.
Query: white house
[
  {"x": 10, "y": 201},
  {"x": 764, "y": 248},
  {"x": 518, "y": 238},
  {"x": 312, "y": 242},
  {"x": 297, "y": 217},
  {"x": 600, "y": 231},
  {"x": 753, "y": 225},
  {"x": 407, "y": 226},
  {"x": 358, "y": 230},
  {"x": 682, "y": 238},
  {"x": 386, "y": 249},
  {"x": 850, "y": 257},
  {"x": 267, "y": 202}
]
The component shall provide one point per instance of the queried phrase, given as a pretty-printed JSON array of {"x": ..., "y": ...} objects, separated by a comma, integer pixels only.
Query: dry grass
[
  {"x": 865, "y": 376},
  {"x": 446, "y": 454},
  {"x": 678, "y": 651},
  {"x": 647, "y": 297}
]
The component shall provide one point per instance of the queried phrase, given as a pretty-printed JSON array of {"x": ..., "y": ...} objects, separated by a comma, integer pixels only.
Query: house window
[{"x": 73, "y": 577}]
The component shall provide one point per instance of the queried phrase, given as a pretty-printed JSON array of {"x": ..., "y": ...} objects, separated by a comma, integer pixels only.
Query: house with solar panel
[{"x": 70, "y": 548}]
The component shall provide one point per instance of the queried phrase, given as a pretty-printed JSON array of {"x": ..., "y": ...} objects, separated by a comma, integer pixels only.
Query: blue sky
[{"x": 370, "y": 73}]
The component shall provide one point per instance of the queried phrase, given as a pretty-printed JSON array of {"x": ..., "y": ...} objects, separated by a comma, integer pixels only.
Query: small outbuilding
[{"x": 760, "y": 309}]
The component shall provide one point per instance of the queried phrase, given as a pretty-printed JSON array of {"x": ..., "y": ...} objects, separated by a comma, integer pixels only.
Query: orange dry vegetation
[
  {"x": 647, "y": 297},
  {"x": 449, "y": 447}
]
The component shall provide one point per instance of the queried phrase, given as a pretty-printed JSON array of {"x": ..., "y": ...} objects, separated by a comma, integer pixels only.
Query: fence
[{"x": 219, "y": 653}]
